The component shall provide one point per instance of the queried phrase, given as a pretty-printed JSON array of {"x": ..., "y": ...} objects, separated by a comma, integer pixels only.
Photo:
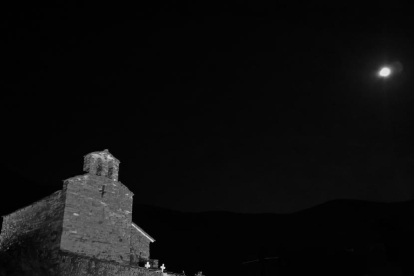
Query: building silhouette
[{"x": 84, "y": 229}]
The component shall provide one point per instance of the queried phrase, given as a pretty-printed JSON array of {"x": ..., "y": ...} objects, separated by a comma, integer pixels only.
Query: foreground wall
[
  {"x": 22, "y": 261},
  {"x": 75, "y": 265}
]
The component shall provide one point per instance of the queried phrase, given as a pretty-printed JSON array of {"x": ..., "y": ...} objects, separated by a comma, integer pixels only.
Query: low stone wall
[
  {"x": 75, "y": 265},
  {"x": 30, "y": 237},
  {"x": 23, "y": 260},
  {"x": 44, "y": 216}
]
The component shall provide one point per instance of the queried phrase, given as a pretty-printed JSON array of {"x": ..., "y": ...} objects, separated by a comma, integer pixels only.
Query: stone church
[{"x": 84, "y": 229}]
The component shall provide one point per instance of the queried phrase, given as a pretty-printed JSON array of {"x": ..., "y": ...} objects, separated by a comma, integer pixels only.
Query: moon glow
[
  {"x": 385, "y": 72},
  {"x": 390, "y": 69}
]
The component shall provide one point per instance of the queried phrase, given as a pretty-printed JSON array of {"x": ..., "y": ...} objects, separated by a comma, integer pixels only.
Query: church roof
[{"x": 142, "y": 232}]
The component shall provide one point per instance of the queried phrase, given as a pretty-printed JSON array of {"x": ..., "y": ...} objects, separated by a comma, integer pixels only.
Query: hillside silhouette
[{"x": 341, "y": 236}]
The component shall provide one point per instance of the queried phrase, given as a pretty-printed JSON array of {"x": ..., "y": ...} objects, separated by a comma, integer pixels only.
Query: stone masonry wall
[
  {"x": 33, "y": 233},
  {"x": 97, "y": 218},
  {"x": 140, "y": 246},
  {"x": 73, "y": 265}
]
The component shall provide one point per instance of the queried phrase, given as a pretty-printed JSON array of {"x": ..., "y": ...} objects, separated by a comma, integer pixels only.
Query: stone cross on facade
[
  {"x": 162, "y": 267},
  {"x": 147, "y": 265},
  {"x": 102, "y": 190}
]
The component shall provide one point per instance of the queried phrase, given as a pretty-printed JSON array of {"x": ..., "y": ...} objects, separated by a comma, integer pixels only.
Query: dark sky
[{"x": 215, "y": 106}]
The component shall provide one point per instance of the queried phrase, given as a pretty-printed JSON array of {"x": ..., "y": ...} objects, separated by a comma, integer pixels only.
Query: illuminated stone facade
[{"x": 88, "y": 222}]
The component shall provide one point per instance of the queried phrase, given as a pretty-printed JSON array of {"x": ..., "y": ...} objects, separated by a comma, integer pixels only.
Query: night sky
[{"x": 217, "y": 106}]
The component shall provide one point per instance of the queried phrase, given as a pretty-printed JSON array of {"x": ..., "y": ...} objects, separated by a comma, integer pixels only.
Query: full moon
[{"x": 385, "y": 72}]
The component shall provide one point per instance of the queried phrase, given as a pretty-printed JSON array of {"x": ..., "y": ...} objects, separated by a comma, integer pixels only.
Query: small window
[
  {"x": 110, "y": 172},
  {"x": 99, "y": 167}
]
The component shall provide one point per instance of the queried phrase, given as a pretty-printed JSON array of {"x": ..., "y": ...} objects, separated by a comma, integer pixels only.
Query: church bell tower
[
  {"x": 102, "y": 164},
  {"x": 98, "y": 211}
]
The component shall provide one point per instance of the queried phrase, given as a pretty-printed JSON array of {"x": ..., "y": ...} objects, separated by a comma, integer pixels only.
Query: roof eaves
[{"x": 142, "y": 232}]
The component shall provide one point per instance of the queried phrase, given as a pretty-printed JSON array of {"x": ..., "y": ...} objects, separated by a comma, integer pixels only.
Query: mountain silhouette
[{"x": 340, "y": 236}]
